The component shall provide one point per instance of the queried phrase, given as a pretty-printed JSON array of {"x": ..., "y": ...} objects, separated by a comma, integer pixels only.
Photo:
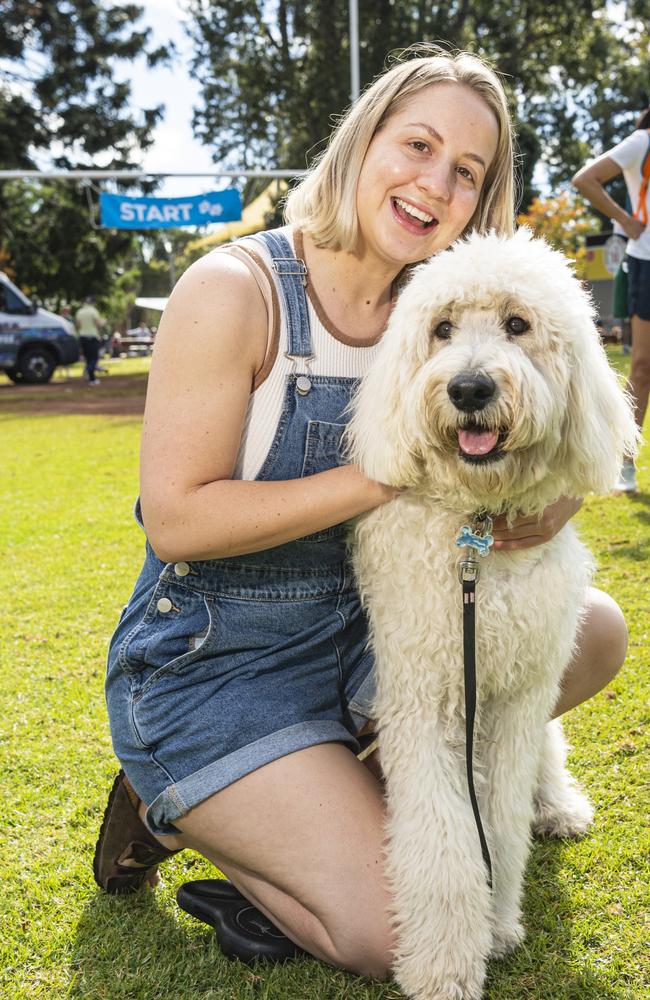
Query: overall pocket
[
  {"x": 177, "y": 625},
  {"x": 322, "y": 447},
  {"x": 323, "y": 451}
]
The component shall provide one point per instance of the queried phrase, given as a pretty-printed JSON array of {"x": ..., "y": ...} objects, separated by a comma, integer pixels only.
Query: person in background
[
  {"x": 631, "y": 157},
  {"x": 116, "y": 344},
  {"x": 89, "y": 324}
]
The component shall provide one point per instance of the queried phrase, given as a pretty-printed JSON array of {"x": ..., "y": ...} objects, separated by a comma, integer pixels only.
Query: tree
[
  {"x": 275, "y": 74},
  {"x": 59, "y": 93},
  {"x": 57, "y": 83},
  {"x": 51, "y": 247}
]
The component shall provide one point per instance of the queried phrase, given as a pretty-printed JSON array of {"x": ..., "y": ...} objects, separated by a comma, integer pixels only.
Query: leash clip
[
  {"x": 477, "y": 539},
  {"x": 468, "y": 570}
]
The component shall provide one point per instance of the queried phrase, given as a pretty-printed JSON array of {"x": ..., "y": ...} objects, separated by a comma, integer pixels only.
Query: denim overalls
[{"x": 220, "y": 666}]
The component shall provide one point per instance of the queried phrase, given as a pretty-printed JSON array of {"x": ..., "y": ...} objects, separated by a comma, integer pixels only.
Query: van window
[{"x": 10, "y": 303}]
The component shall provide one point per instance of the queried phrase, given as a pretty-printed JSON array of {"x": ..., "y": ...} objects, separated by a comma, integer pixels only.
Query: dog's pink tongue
[{"x": 477, "y": 442}]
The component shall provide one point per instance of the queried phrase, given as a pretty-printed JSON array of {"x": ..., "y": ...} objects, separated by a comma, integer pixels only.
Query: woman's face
[{"x": 422, "y": 176}]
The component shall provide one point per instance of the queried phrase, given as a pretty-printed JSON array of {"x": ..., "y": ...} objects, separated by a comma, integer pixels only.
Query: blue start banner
[{"x": 118, "y": 212}]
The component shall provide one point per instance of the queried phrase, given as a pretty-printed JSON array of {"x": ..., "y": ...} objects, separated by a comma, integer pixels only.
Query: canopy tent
[{"x": 156, "y": 304}]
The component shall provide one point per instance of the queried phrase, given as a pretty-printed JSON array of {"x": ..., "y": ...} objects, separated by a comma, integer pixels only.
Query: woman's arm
[
  {"x": 590, "y": 183},
  {"x": 211, "y": 341}
]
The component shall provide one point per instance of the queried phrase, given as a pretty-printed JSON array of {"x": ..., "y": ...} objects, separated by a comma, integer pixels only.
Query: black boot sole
[{"x": 243, "y": 932}]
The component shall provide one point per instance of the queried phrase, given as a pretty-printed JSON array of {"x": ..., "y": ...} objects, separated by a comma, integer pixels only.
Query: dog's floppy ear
[
  {"x": 599, "y": 427},
  {"x": 381, "y": 436}
]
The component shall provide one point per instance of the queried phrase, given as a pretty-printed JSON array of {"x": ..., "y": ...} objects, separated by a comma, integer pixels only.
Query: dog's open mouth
[{"x": 479, "y": 445}]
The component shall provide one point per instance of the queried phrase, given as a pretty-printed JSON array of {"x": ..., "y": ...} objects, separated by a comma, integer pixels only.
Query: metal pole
[
  {"x": 137, "y": 174},
  {"x": 354, "y": 51}
]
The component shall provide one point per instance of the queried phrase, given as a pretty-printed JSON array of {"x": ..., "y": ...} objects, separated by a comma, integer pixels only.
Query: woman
[
  {"x": 239, "y": 678},
  {"x": 629, "y": 158}
]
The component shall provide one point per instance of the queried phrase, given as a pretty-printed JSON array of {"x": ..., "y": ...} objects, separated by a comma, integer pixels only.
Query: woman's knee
[
  {"x": 368, "y": 951},
  {"x": 606, "y": 635}
]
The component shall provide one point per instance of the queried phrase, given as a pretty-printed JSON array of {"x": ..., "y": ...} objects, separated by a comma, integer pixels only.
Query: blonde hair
[{"x": 324, "y": 203}]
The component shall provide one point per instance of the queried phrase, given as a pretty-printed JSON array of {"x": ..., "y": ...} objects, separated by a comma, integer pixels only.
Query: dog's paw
[
  {"x": 448, "y": 990},
  {"x": 428, "y": 982},
  {"x": 569, "y": 815},
  {"x": 506, "y": 938}
]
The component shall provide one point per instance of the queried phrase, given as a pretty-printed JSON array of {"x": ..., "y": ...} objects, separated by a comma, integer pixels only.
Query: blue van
[{"x": 33, "y": 341}]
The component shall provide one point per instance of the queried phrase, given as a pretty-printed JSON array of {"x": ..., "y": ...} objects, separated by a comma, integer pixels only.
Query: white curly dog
[{"x": 491, "y": 393}]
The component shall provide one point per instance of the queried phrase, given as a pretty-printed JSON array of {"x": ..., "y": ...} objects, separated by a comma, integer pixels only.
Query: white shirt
[{"x": 629, "y": 155}]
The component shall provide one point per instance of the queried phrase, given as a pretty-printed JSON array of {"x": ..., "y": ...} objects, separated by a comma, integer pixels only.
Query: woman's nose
[{"x": 436, "y": 179}]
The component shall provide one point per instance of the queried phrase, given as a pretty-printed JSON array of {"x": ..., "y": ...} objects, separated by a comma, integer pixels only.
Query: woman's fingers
[{"x": 526, "y": 531}]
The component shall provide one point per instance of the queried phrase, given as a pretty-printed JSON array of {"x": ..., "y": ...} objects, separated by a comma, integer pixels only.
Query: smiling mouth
[
  {"x": 415, "y": 217},
  {"x": 478, "y": 445}
]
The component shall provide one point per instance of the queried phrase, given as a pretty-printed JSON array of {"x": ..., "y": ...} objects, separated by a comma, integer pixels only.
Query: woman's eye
[
  {"x": 443, "y": 330},
  {"x": 419, "y": 145},
  {"x": 467, "y": 174},
  {"x": 517, "y": 325}
]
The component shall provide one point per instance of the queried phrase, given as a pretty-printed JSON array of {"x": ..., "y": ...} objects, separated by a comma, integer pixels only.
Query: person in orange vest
[{"x": 631, "y": 157}]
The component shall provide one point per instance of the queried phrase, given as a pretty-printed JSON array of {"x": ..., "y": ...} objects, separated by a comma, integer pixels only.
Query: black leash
[{"x": 476, "y": 539}]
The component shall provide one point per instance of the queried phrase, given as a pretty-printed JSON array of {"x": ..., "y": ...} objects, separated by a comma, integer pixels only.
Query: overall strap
[{"x": 293, "y": 280}]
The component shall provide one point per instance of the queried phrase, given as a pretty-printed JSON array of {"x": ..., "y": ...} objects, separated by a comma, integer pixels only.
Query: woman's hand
[
  {"x": 634, "y": 228},
  {"x": 528, "y": 531}
]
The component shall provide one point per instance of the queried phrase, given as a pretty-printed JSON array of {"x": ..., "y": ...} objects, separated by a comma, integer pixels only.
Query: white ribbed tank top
[{"x": 334, "y": 354}]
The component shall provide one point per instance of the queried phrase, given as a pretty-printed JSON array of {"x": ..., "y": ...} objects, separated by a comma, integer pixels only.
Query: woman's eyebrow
[{"x": 436, "y": 135}]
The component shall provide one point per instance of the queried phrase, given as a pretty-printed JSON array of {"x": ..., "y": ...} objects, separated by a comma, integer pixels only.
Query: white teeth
[{"x": 415, "y": 212}]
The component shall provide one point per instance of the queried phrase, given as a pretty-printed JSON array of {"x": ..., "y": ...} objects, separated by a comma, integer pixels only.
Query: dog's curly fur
[{"x": 563, "y": 424}]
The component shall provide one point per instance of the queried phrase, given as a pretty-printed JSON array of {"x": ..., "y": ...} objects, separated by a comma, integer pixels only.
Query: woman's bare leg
[
  {"x": 601, "y": 648},
  {"x": 302, "y": 839}
]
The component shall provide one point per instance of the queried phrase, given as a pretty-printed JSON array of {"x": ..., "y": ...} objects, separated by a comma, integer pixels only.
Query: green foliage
[
  {"x": 59, "y": 93},
  {"x": 274, "y": 75},
  {"x": 50, "y": 245},
  {"x": 57, "y": 82}
]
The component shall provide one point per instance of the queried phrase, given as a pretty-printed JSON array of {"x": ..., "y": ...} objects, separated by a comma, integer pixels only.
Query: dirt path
[{"x": 118, "y": 395}]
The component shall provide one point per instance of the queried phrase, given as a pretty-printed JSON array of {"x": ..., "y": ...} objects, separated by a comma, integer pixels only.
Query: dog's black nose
[{"x": 471, "y": 390}]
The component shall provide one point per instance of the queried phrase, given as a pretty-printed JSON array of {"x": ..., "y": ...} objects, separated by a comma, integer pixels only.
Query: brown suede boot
[{"x": 126, "y": 855}]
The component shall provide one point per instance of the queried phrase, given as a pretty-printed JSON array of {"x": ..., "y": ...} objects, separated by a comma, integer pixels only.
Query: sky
[{"x": 174, "y": 148}]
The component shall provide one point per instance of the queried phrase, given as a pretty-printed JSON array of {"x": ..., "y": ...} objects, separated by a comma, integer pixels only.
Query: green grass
[
  {"x": 116, "y": 366},
  {"x": 70, "y": 551}
]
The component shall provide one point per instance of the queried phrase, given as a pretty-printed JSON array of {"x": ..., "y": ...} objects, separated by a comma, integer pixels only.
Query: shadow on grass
[
  {"x": 642, "y": 515},
  {"x": 139, "y": 947},
  {"x": 117, "y": 393},
  {"x": 133, "y": 948},
  {"x": 638, "y": 552},
  {"x": 548, "y": 964}
]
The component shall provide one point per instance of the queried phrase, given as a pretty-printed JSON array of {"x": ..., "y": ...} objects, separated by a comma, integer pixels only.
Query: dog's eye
[
  {"x": 517, "y": 325},
  {"x": 443, "y": 330}
]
